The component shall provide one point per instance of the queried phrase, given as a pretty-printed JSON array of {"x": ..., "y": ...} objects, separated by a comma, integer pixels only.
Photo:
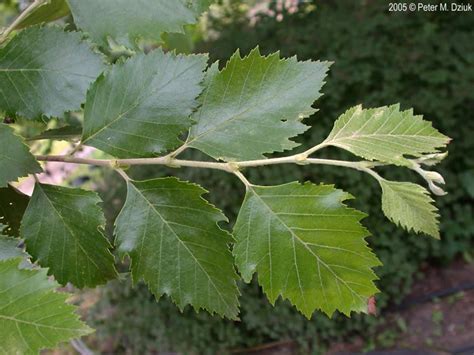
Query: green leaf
[
  {"x": 176, "y": 246},
  {"x": 46, "y": 71},
  {"x": 200, "y": 6},
  {"x": 15, "y": 158},
  {"x": 385, "y": 134},
  {"x": 255, "y": 97},
  {"x": 140, "y": 107},
  {"x": 12, "y": 207},
  {"x": 32, "y": 315},
  {"x": 410, "y": 206},
  {"x": 62, "y": 228},
  {"x": 126, "y": 21},
  {"x": 9, "y": 246},
  {"x": 182, "y": 43},
  {"x": 306, "y": 246},
  {"x": 51, "y": 10},
  {"x": 70, "y": 132}
]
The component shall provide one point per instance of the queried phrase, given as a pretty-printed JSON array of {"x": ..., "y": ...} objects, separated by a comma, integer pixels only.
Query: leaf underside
[
  {"x": 305, "y": 246},
  {"x": 62, "y": 228},
  {"x": 15, "y": 158},
  {"x": 126, "y": 21},
  {"x": 32, "y": 315},
  {"x": 171, "y": 235},
  {"x": 255, "y": 97},
  {"x": 385, "y": 134},
  {"x": 139, "y": 108},
  {"x": 410, "y": 206}
]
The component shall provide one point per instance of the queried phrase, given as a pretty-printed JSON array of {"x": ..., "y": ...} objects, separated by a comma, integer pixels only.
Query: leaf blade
[
  {"x": 139, "y": 108},
  {"x": 9, "y": 247},
  {"x": 41, "y": 319},
  {"x": 385, "y": 134},
  {"x": 171, "y": 234},
  {"x": 62, "y": 228},
  {"x": 15, "y": 158},
  {"x": 46, "y": 71},
  {"x": 150, "y": 18},
  {"x": 252, "y": 97},
  {"x": 410, "y": 206},
  {"x": 306, "y": 246}
]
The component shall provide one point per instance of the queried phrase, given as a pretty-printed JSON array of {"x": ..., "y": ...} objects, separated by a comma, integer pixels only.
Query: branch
[
  {"x": 32, "y": 7},
  {"x": 231, "y": 167}
]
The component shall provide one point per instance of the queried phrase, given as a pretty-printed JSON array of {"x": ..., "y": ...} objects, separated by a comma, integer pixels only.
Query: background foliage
[{"x": 423, "y": 60}]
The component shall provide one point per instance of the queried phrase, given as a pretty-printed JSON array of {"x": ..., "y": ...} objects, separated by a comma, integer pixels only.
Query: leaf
[
  {"x": 61, "y": 133},
  {"x": 306, "y": 246},
  {"x": 62, "y": 228},
  {"x": 201, "y": 6},
  {"x": 32, "y": 315},
  {"x": 385, "y": 134},
  {"x": 9, "y": 246},
  {"x": 15, "y": 158},
  {"x": 13, "y": 204},
  {"x": 410, "y": 206},
  {"x": 176, "y": 246},
  {"x": 255, "y": 97},
  {"x": 140, "y": 107},
  {"x": 46, "y": 71},
  {"x": 51, "y": 10},
  {"x": 126, "y": 21}
]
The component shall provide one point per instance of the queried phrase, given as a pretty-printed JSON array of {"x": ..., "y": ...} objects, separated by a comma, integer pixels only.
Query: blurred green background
[{"x": 421, "y": 60}]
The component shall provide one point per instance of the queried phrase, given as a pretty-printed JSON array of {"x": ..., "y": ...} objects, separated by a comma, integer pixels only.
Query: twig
[{"x": 232, "y": 167}]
